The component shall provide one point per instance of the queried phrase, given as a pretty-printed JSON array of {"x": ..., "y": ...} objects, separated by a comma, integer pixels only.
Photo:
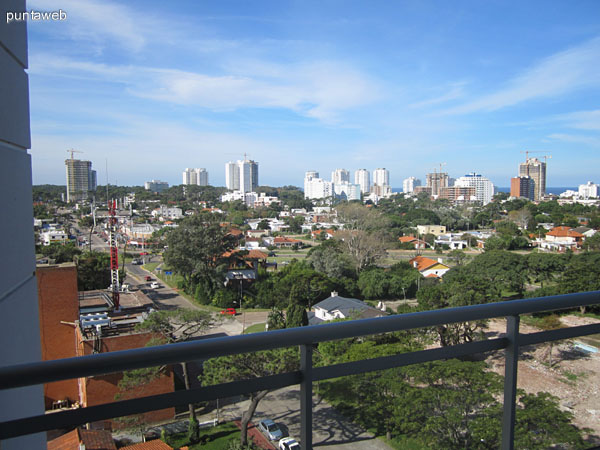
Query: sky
[{"x": 149, "y": 88}]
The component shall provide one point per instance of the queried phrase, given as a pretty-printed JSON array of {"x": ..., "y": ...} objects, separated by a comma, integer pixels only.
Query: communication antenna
[{"x": 114, "y": 253}]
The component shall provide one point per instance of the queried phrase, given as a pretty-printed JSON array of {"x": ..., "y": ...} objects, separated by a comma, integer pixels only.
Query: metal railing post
[
  {"x": 510, "y": 382},
  {"x": 306, "y": 366}
]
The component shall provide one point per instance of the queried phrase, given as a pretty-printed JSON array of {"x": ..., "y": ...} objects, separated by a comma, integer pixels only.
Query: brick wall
[
  {"x": 103, "y": 389},
  {"x": 57, "y": 300}
]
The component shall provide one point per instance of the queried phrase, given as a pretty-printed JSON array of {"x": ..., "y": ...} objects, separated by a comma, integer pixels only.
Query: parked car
[
  {"x": 136, "y": 262},
  {"x": 229, "y": 311},
  {"x": 154, "y": 285},
  {"x": 288, "y": 443},
  {"x": 270, "y": 429},
  {"x": 148, "y": 278}
]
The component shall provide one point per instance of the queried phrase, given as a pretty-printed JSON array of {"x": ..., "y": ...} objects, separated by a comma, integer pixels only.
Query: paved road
[{"x": 330, "y": 429}]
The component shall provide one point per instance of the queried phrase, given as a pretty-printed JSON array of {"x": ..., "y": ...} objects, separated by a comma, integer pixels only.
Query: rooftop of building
[{"x": 96, "y": 313}]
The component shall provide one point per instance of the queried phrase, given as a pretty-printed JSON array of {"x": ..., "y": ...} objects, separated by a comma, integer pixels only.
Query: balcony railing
[{"x": 305, "y": 338}]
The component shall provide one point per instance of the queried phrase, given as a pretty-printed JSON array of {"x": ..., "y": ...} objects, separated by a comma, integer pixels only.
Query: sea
[{"x": 549, "y": 190}]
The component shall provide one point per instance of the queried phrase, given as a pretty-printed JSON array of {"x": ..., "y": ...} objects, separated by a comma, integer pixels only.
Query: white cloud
[
  {"x": 575, "y": 139},
  {"x": 456, "y": 91},
  {"x": 583, "y": 120},
  {"x": 320, "y": 89},
  {"x": 561, "y": 73},
  {"x": 99, "y": 21}
]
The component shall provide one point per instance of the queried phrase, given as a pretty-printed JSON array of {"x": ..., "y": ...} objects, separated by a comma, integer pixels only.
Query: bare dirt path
[{"x": 574, "y": 376}]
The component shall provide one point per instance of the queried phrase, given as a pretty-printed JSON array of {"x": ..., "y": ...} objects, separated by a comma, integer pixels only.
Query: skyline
[{"x": 152, "y": 89}]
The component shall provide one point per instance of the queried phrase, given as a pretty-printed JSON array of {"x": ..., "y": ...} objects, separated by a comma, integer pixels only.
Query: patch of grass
[
  {"x": 150, "y": 266},
  {"x": 215, "y": 438},
  {"x": 256, "y": 328},
  {"x": 405, "y": 443}
]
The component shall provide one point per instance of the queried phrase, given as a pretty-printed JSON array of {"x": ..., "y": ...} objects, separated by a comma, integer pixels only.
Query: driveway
[{"x": 330, "y": 429}]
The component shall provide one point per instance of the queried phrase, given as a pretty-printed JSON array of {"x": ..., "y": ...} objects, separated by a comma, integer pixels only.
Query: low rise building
[
  {"x": 429, "y": 268},
  {"x": 561, "y": 239},
  {"x": 336, "y": 307},
  {"x": 436, "y": 230}
]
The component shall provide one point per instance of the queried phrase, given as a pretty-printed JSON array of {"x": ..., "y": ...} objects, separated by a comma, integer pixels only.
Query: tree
[
  {"x": 505, "y": 270},
  {"x": 544, "y": 266},
  {"x": 330, "y": 259},
  {"x": 250, "y": 365},
  {"x": 296, "y": 316},
  {"x": 363, "y": 237},
  {"x": 521, "y": 217},
  {"x": 93, "y": 271},
  {"x": 592, "y": 243},
  {"x": 196, "y": 251},
  {"x": 61, "y": 252},
  {"x": 458, "y": 256},
  {"x": 177, "y": 326}
]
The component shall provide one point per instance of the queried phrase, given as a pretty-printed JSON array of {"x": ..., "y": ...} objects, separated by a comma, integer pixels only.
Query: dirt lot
[{"x": 574, "y": 376}]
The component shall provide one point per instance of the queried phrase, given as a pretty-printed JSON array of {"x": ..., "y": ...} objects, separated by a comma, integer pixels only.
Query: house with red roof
[
  {"x": 244, "y": 264},
  {"x": 429, "y": 268},
  {"x": 285, "y": 242},
  {"x": 414, "y": 242},
  {"x": 562, "y": 238},
  {"x": 80, "y": 438}
]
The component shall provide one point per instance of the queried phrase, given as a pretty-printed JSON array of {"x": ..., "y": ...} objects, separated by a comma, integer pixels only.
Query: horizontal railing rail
[{"x": 305, "y": 337}]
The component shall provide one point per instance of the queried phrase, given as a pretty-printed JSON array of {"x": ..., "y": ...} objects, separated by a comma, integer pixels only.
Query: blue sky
[{"x": 153, "y": 87}]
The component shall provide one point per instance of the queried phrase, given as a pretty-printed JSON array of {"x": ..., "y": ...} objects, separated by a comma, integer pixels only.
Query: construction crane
[
  {"x": 114, "y": 252},
  {"x": 527, "y": 152},
  {"x": 73, "y": 151}
]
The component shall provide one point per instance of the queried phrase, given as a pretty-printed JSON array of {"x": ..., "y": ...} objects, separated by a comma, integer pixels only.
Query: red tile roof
[
  {"x": 423, "y": 263},
  {"x": 283, "y": 239},
  {"x": 251, "y": 254},
  {"x": 564, "y": 232},
  {"x": 93, "y": 440},
  {"x": 156, "y": 444}
]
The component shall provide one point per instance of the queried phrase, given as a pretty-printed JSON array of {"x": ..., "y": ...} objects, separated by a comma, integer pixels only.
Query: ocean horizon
[{"x": 549, "y": 190}]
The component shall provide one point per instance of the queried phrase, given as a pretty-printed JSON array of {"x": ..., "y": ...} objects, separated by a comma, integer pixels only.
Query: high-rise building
[
  {"x": 241, "y": 175},
  {"x": 347, "y": 191},
  {"x": 198, "y": 177},
  {"x": 535, "y": 169},
  {"x": 436, "y": 181},
  {"x": 484, "y": 189},
  {"x": 81, "y": 179},
  {"x": 381, "y": 177},
  {"x": 363, "y": 178},
  {"x": 340, "y": 176},
  {"x": 522, "y": 187},
  {"x": 315, "y": 187},
  {"x": 232, "y": 176},
  {"x": 409, "y": 184},
  {"x": 459, "y": 194},
  {"x": 588, "y": 190}
]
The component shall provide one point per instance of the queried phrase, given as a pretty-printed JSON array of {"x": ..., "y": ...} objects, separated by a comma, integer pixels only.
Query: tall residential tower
[
  {"x": 81, "y": 179},
  {"x": 535, "y": 169}
]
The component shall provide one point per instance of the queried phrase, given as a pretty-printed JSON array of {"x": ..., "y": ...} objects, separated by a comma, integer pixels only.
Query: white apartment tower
[
  {"x": 315, "y": 187},
  {"x": 198, "y": 177},
  {"x": 484, "y": 189},
  {"x": 339, "y": 176},
  {"x": 241, "y": 175},
  {"x": 409, "y": 184},
  {"x": 362, "y": 177},
  {"x": 381, "y": 177},
  {"x": 588, "y": 190},
  {"x": 81, "y": 179}
]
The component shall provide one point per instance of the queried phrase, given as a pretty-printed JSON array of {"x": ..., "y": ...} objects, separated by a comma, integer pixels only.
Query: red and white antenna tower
[{"x": 114, "y": 252}]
